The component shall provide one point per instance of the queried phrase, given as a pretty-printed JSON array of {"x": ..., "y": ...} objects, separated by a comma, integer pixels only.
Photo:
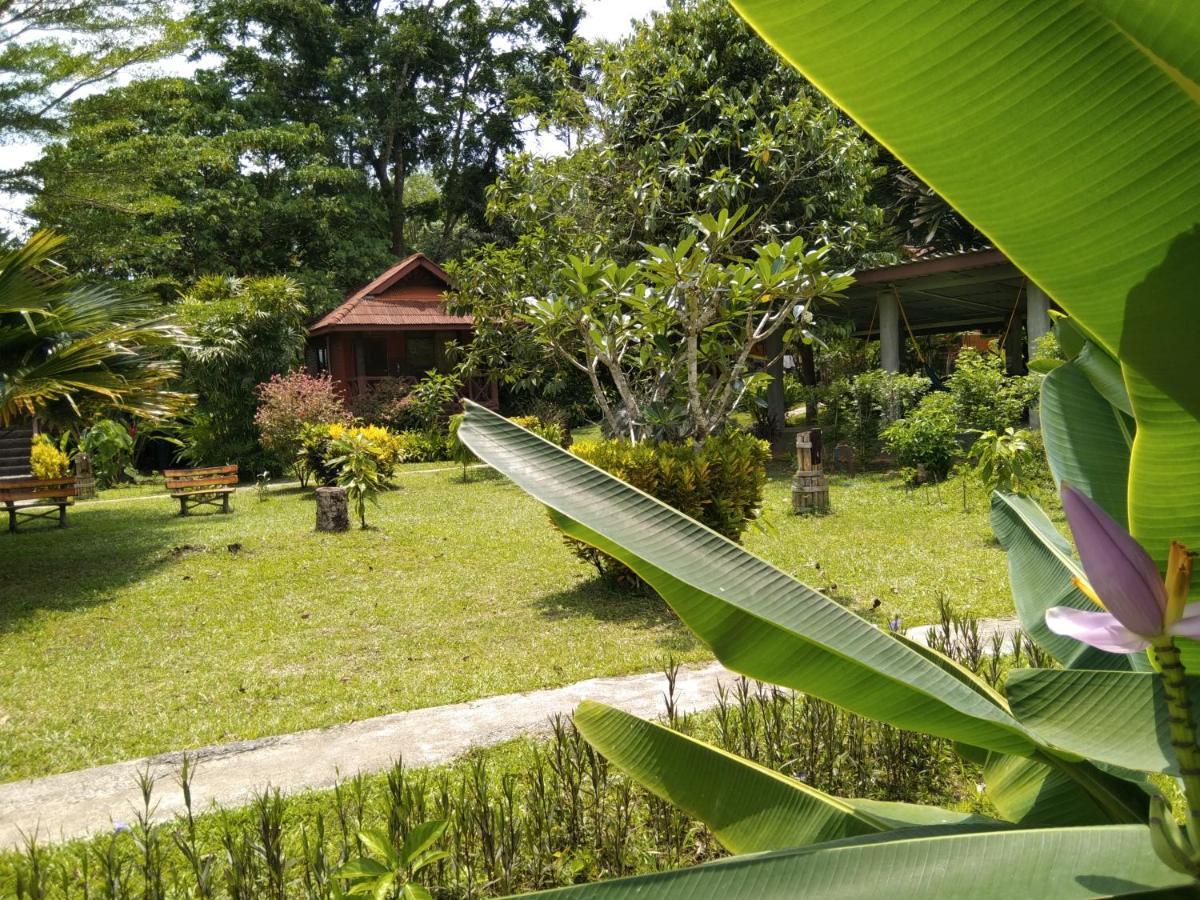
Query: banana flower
[{"x": 1139, "y": 605}]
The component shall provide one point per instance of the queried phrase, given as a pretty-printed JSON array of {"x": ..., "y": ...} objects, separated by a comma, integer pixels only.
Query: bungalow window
[
  {"x": 422, "y": 351},
  {"x": 372, "y": 360}
]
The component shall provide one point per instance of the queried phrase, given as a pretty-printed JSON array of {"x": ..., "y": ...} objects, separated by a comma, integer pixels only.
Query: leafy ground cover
[
  {"x": 520, "y": 816},
  {"x": 135, "y": 632}
]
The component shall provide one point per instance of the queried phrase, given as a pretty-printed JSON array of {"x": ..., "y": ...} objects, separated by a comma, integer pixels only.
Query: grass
[{"x": 136, "y": 632}]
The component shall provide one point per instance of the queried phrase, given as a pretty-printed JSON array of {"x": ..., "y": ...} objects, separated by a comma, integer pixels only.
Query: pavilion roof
[
  {"x": 945, "y": 291},
  {"x": 407, "y": 296}
]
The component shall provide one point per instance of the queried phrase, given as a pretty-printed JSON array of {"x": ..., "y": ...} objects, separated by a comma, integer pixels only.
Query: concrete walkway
[{"x": 75, "y": 804}]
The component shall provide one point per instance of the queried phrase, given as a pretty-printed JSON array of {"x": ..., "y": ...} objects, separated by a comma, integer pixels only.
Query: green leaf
[
  {"x": 1104, "y": 373},
  {"x": 382, "y": 845},
  {"x": 1116, "y": 717},
  {"x": 757, "y": 620},
  {"x": 383, "y": 887},
  {"x": 1164, "y": 473},
  {"x": 1051, "y": 792},
  {"x": 1062, "y": 863},
  {"x": 421, "y": 838},
  {"x": 1040, "y": 569},
  {"x": 362, "y": 868},
  {"x": 1091, "y": 106},
  {"x": 1086, "y": 440},
  {"x": 755, "y": 809},
  {"x": 416, "y": 892}
]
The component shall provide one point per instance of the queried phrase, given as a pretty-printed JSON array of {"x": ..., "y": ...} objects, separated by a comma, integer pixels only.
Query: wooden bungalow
[{"x": 395, "y": 326}]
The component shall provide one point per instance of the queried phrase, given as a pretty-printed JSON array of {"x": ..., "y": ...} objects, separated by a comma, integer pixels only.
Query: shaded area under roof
[{"x": 945, "y": 292}]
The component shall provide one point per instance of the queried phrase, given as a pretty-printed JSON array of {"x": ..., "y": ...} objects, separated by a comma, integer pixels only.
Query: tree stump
[{"x": 333, "y": 510}]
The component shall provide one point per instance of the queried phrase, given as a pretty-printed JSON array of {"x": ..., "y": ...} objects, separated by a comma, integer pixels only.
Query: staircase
[{"x": 15, "y": 443}]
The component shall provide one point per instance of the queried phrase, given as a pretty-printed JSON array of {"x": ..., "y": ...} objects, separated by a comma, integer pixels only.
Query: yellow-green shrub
[
  {"x": 46, "y": 460},
  {"x": 718, "y": 482},
  {"x": 321, "y": 447},
  {"x": 554, "y": 432}
]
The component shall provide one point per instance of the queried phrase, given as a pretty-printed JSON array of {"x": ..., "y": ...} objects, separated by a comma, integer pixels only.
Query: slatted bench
[
  {"x": 199, "y": 487},
  {"x": 37, "y": 498}
]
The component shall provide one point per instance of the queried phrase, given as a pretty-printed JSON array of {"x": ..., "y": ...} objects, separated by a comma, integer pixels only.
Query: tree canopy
[{"x": 164, "y": 181}]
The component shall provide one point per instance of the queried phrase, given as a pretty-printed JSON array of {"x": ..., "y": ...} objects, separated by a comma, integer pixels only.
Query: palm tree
[{"x": 66, "y": 348}]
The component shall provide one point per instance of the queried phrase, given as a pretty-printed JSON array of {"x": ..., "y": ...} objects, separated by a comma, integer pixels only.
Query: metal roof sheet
[{"x": 386, "y": 302}]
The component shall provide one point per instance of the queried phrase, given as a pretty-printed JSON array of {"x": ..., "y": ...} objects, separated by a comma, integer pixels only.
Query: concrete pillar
[
  {"x": 1037, "y": 313},
  {"x": 776, "y": 400},
  {"x": 1037, "y": 323},
  {"x": 889, "y": 332}
]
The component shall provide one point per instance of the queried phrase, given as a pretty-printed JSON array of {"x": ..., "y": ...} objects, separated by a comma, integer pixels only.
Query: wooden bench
[
  {"x": 37, "y": 498},
  {"x": 198, "y": 487}
]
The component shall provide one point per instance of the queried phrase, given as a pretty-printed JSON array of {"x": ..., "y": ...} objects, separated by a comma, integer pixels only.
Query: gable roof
[{"x": 408, "y": 295}]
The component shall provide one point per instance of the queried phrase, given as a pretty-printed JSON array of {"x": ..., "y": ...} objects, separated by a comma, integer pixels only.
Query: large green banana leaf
[
  {"x": 1051, "y": 792},
  {"x": 761, "y": 622},
  {"x": 1115, "y": 717},
  {"x": 1087, "y": 441},
  {"x": 1164, "y": 473},
  {"x": 754, "y": 809},
  {"x": 1040, "y": 571},
  {"x": 757, "y": 620},
  {"x": 1068, "y": 132},
  {"x": 1060, "y": 863}
]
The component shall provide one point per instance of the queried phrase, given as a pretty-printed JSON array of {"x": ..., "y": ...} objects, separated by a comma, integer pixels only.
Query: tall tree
[
  {"x": 397, "y": 89},
  {"x": 165, "y": 180},
  {"x": 52, "y": 50},
  {"x": 691, "y": 114}
]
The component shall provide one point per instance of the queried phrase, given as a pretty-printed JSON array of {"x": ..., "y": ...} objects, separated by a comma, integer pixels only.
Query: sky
[{"x": 605, "y": 19}]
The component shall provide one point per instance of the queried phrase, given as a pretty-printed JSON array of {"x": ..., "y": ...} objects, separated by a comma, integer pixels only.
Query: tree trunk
[
  {"x": 333, "y": 510},
  {"x": 808, "y": 371}
]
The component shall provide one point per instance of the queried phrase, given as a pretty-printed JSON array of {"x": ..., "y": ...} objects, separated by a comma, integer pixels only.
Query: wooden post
[
  {"x": 810, "y": 490},
  {"x": 333, "y": 509}
]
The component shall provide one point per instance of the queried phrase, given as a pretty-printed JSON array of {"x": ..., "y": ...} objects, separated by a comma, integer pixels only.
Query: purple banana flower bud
[
  {"x": 1121, "y": 573},
  {"x": 1125, "y": 581}
]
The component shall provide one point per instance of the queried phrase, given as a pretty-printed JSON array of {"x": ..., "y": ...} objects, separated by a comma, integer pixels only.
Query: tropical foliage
[
  {"x": 286, "y": 404},
  {"x": 1065, "y": 753},
  {"x": 246, "y": 330},
  {"x": 69, "y": 350},
  {"x": 674, "y": 332}
]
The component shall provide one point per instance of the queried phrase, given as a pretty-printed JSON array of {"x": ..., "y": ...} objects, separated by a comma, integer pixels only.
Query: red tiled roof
[{"x": 388, "y": 302}]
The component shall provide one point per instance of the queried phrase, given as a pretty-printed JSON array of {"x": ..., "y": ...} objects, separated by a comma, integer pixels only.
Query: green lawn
[{"x": 135, "y": 631}]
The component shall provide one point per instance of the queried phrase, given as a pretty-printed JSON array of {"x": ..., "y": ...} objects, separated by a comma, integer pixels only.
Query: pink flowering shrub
[{"x": 286, "y": 404}]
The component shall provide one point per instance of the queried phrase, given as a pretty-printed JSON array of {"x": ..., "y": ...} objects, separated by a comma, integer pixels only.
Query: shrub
[
  {"x": 286, "y": 404},
  {"x": 109, "y": 446},
  {"x": 363, "y": 461},
  {"x": 985, "y": 399},
  {"x": 388, "y": 403},
  {"x": 1008, "y": 460},
  {"x": 244, "y": 331},
  {"x": 325, "y": 444},
  {"x": 927, "y": 438},
  {"x": 433, "y": 398},
  {"x": 718, "y": 482},
  {"x": 46, "y": 460},
  {"x": 553, "y": 431},
  {"x": 857, "y": 409},
  {"x": 423, "y": 446}
]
